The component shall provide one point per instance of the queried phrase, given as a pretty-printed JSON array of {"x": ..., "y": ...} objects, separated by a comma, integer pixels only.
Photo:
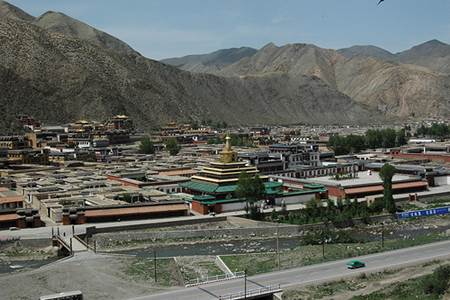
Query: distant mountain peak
[
  {"x": 433, "y": 54},
  {"x": 210, "y": 62},
  {"x": 366, "y": 51},
  {"x": 269, "y": 45},
  {"x": 8, "y": 10},
  {"x": 62, "y": 23},
  {"x": 435, "y": 42},
  {"x": 431, "y": 44}
]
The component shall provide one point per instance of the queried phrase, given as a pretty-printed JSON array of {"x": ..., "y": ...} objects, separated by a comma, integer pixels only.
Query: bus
[{"x": 74, "y": 295}]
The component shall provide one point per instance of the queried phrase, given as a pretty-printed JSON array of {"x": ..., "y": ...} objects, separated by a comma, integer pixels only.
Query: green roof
[
  {"x": 272, "y": 184},
  {"x": 313, "y": 186},
  {"x": 303, "y": 192},
  {"x": 226, "y": 188},
  {"x": 203, "y": 197},
  {"x": 211, "y": 188},
  {"x": 273, "y": 192},
  {"x": 200, "y": 186},
  {"x": 212, "y": 202}
]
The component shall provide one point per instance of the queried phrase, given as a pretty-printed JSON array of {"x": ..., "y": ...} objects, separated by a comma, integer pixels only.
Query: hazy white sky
[{"x": 167, "y": 28}]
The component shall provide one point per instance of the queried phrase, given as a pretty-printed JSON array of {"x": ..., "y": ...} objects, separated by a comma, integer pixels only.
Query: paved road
[{"x": 311, "y": 274}]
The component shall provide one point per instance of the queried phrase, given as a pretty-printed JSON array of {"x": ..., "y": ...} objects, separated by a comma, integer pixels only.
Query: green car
[{"x": 355, "y": 264}]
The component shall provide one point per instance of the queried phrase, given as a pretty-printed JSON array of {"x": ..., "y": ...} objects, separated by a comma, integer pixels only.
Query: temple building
[{"x": 214, "y": 186}]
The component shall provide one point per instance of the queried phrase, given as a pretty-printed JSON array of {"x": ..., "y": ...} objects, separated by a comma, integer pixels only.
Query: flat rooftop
[{"x": 363, "y": 179}]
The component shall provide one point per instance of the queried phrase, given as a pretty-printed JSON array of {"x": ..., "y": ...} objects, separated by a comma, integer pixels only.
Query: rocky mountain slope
[
  {"x": 367, "y": 51},
  {"x": 413, "y": 83},
  {"x": 59, "y": 77},
  {"x": 211, "y": 62},
  {"x": 61, "y": 23},
  {"x": 433, "y": 54},
  {"x": 10, "y": 11}
]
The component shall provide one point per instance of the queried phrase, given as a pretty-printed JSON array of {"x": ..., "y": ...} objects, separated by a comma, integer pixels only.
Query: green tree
[
  {"x": 146, "y": 146},
  {"x": 438, "y": 282},
  {"x": 388, "y": 138},
  {"x": 195, "y": 125},
  {"x": 373, "y": 138},
  {"x": 172, "y": 146},
  {"x": 386, "y": 174},
  {"x": 400, "y": 138},
  {"x": 251, "y": 189}
]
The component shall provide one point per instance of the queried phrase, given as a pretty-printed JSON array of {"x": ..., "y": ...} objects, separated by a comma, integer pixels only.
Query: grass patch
[
  {"x": 258, "y": 263},
  {"x": 254, "y": 263},
  {"x": 142, "y": 269},
  {"x": 427, "y": 287},
  {"x": 199, "y": 269},
  {"x": 324, "y": 290}
]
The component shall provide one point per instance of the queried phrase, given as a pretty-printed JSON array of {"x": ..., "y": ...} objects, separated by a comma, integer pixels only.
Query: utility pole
[
  {"x": 323, "y": 248},
  {"x": 154, "y": 263},
  {"x": 324, "y": 238},
  {"x": 278, "y": 248},
  {"x": 245, "y": 284}
]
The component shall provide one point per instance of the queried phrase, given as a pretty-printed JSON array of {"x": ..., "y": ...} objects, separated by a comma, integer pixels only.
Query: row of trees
[
  {"x": 251, "y": 188},
  {"x": 147, "y": 147},
  {"x": 236, "y": 140},
  {"x": 373, "y": 138},
  {"x": 340, "y": 214},
  {"x": 211, "y": 123},
  {"x": 438, "y": 130}
]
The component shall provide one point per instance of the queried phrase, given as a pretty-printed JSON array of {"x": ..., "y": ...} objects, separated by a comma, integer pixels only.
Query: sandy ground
[{"x": 97, "y": 276}]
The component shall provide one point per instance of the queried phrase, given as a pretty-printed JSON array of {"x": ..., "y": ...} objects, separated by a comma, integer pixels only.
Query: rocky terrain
[
  {"x": 414, "y": 83},
  {"x": 212, "y": 62},
  {"x": 58, "y": 69}
]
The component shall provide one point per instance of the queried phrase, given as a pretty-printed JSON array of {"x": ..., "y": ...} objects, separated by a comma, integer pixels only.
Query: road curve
[{"x": 311, "y": 274}]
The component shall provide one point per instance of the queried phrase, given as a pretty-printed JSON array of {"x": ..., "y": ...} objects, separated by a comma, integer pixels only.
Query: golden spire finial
[
  {"x": 227, "y": 143},
  {"x": 227, "y": 154}
]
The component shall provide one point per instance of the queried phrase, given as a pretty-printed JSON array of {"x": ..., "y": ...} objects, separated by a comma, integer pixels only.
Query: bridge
[
  {"x": 69, "y": 244},
  {"x": 262, "y": 293}
]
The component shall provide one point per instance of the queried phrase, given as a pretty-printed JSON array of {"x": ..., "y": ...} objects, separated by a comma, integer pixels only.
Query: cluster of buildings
[
  {"x": 88, "y": 172},
  {"x": 79, "y": 141}
]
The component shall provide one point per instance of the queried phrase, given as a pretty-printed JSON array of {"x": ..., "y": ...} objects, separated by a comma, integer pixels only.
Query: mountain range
[
  {"x": 413, "y": 83},
  {"x": 59, "y": 69}
]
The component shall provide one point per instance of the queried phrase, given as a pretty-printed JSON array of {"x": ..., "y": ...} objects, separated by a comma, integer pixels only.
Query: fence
[
  {"x": 251, "y": 293},
  {"x": 424, "y": 212},
  {"x": 210, "y": 279}
]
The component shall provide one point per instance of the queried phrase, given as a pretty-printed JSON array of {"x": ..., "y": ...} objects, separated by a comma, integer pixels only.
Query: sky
[{"x": 171, "y": 28}]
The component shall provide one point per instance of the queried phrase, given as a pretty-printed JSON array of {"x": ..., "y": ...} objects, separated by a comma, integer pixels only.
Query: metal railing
[
  {"x": 210, "y": 279},
  {"x": 251, "y": 293},
  {"x": 63, "y": 243}
]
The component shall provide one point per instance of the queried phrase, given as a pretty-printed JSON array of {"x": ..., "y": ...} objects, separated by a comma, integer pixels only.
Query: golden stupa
[{"x": 228, "y": 155}]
